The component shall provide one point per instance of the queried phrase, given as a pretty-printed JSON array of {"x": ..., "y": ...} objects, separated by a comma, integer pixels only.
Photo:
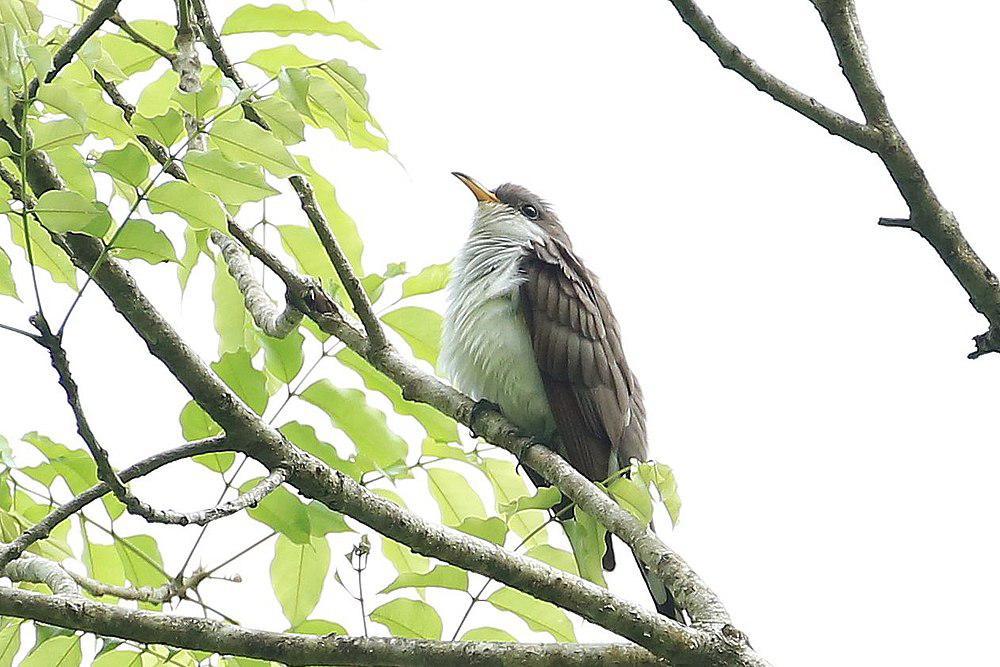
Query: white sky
[{"x": 804, "y": 369}]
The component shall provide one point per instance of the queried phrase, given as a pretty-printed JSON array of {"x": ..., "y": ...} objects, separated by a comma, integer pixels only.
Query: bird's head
[{"x": 510, "y": 210}]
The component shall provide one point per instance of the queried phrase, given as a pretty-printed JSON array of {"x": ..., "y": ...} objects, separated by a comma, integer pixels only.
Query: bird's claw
[
  {"x": 479, "y": 408},
  {"x": 525, "y": 448}
]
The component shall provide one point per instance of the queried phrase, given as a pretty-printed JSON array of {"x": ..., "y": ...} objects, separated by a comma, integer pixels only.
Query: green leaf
[
  {"x": 487, "y": 634},
  {"x": 55, "y": 652},
  {"x": 232, "y": 320},
  {"x": 304, "y": 437},
  {"x": 297, "y": 575},
  {"x": 65, "y": 211},
  {"x": 196, "y": 424},
  {"x": 283, "y": 20},
  {"x": 139, "y": 239},
  {"x": 236, "y": 370},
  {"x": 133, "y": 58},
  {"x": 57, "y": 98},
  {"x": 634, "y": 497},
  {"x": 41, "y": 59},
  {"x": 166, "y": 128},
  {"x": 492, "y": 529},
  {"x": 587, "y": 538},
  {"x": 341, "y": 224},
  {"x": 293, "y": 84},
  {"x": 282, "y": 511},
  {"x": 242, "y": 141},
  {"x": 431, "y": 279},
  {"x": 323, "y": 520},
  {"x": 74, "y": 170},
  {"x": 541, "y": 616},
  {"x": 557, "y": 558},
  {"x": 200, "y": 210},
  {"x": 508, "y": 487},
  {"x": 442, "y": 576},
  {"x": 103, "y": 563},
  {"x": 284, "y": 121},
  {"x": 195, "y": 245},
  {"x": 55, "y": 133},
  {"x": 316, "y": 626},
  {"x": 7, "y": 286},
  {"x": 420, "y": 328},
  {"x": 283, "y": 357},
  {"x": 304, "y": 247},
  {"x": 124, "y": 659},
  {"x": 455, "y": 497},
  {"x": 366, "y": 426},
  {"x": 438, "y": 426},
  {"x": 661, "y": 476},
  {"x": 10, "y": 643},
  {"x": 47, "y": 255},
  {"x": 141, "y": 560},
  {"x": 128, "y": 164},
  {"x": 235, "y": 184},
  {"x": 409, "y": 618},
  {"x": 433, "y": 448},
  {"x": 157, "y": 97},
  {"x": 545, "y": 498}
]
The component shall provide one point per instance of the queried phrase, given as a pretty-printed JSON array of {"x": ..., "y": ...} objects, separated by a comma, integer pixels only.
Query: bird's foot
[
  {"x": 479, "y": 408},
  {"x": 525, "y": 448}
]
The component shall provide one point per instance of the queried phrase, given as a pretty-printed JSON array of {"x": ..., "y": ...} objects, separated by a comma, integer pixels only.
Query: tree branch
[
  {"x": 291, "y": 649},
  {"x": 732, "y": 58},
  {"x": 691, "y": 592},
  {"x": 265, "y": 313},
  {"x": 721, "y": 645},
  {"x": 41, "y": 571},
  {"x": 927, "y": 216},
  {"x": 355, "y": 291},
  {"x": 43, "y": 528}
]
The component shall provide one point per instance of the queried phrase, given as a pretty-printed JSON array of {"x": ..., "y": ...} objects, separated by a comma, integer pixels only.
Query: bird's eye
[{"x": 529, "y": 211}]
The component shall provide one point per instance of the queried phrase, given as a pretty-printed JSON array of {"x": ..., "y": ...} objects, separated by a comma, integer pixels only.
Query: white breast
[{"x": 486, "y": 348}]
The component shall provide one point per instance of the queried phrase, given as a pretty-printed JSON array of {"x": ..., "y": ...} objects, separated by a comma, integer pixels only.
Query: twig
[
  {"x": 274, "y": 323},
  {"x": 43, "y": 528},
  {"x": 355, "y": 291}
]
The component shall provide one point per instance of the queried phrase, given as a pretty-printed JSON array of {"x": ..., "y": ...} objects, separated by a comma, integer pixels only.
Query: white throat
[{"x": 486, "y": 348}]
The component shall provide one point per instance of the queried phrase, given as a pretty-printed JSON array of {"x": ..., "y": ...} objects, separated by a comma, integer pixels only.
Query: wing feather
[{"x": 594, "y": 397}]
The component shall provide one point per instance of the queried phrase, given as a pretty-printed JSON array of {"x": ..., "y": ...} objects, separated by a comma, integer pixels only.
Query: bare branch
[
  {"x": 731, "y": 57},
  {"x": 159, "y": 595},
  {"x": 42, "y": 529},
  {"x": 265, "y": 313},
  {"x": 107, "y": 474},
  {"x": 41, "y": 571},
  {"x": 927, "y": 216},
  {"x": 187, "y": 63},
  {"x": 291, "y": 649}
]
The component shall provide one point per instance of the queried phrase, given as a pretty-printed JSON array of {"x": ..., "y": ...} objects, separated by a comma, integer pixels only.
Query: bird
[{"x": 529, "y": 331}]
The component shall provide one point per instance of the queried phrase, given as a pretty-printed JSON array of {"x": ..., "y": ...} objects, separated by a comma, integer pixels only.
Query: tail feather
[{"x": 663, "y": 599}]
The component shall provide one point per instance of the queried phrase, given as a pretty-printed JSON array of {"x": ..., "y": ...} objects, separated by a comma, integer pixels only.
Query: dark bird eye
[{"x": 529, "y": 211}]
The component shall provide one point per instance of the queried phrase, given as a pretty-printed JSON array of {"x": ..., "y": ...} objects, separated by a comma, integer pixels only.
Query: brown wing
[{"x": 594, "y": 397}]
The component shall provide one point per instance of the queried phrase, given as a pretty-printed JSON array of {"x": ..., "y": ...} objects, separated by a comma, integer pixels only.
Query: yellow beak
[{"x": 481, "y": 193}]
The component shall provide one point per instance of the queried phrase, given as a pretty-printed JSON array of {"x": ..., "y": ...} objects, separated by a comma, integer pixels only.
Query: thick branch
[
  {"x": 42, "y": 529},
  {"x": 41, "y": 571},
  {"x": 315, "y": 480},
  {"x": 692, "y": 593},
  {"x": 291, "y": 649}
]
